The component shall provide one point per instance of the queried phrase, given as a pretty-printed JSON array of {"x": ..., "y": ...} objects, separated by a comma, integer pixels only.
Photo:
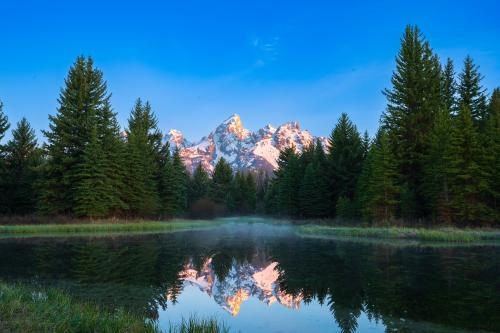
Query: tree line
[
  {"x": 435, "y": 156},
  {"x": 88, "y": 168}
]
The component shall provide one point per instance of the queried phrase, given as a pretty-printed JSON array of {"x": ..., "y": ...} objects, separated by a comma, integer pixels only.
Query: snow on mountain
[
  {"x": 242, "y": 282},
  {"x": 176, "y": 139},
  {"x": 243, "y": 149}
]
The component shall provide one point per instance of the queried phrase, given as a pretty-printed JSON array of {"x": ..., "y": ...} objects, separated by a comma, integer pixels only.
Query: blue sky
[{"x": 198, "y": 62}]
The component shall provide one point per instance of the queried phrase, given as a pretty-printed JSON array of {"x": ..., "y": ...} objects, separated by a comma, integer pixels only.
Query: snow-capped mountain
[
  {"x": 242, "y": 282},
  {"x": 243, "y": 149}
]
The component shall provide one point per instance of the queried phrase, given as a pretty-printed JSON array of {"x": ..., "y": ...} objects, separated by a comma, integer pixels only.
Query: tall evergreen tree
[
  {"x": 467, "y": 178},
  {"x": 345, "y": 156},
  {"x": 491, "y": 157},
  {"x": 383, "y": 188},
  {"x": 288, "y": 183},
  {"x": 83, "y": 104},
  {"x": 165, "y": 177},
  {"x": 199, "y": 185},
  {"x": 4, "y": 126},
  {"x": 22, "y": 160},
  {"x": 179, "y": 184},
  {"x": 238, "y": 204},
  {"x": 471, "y": 92},
  {"x": 143, "y": 159},
  {"x": 412, "y": 103},
  {"x": 4, "y": 122},
  {"x": 250, "y": 193},
  {"x": 220, "y": 186},
  {"x": 436, "y": 179},
  {"x": 91, "y": 196},
  {"x": 448, "y": 87},
  {"x": 113, "y": 159}
]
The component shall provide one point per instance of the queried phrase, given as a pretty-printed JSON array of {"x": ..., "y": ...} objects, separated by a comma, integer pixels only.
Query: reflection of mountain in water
[{"x": 244, "y": 280}]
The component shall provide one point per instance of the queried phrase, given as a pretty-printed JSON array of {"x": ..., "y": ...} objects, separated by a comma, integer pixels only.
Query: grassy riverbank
[
  {"x": 453, "y": 235},
  {"x": 105, "y": 227},
  {"x": 25, "y": 309},
  {"x": 22, "y": 309}
]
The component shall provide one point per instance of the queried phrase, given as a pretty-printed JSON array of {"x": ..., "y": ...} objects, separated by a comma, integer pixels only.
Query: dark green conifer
[
  {"x": 199, "y": 184},
  {"x": 436, "y": 180},
  {"x": 471, "y": 92},
  {"x": 412, "y": 103},
  {"x": 179, "y": 184},
  {"x": 143, "y": 159},
  {"x": 4, "y": 126},
  {"x": 92, "y": 198},
  {"x": 22, "y": 161},
  {"x": 448, "y": 87},
  {"x": 491, "y": 157},
  {"x": 383, "y": 188},
  {"x": 345, "y": 157},
  {"x": 220, "y": 186},
  {"x": 83, "y": 104},
  {"x": 466, "y": 177}
]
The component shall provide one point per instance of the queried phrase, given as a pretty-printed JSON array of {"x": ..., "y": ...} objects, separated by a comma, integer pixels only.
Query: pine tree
[
  {"x": 436, "y": 177},
  {"x": 466, "y": 176},
  {"x": 345, "y": 156},
  {"x": 4, "y": 122},
  {"x": 165, "y": 177},
  {"x": 491, "y": 158},
  {"x": 83, "y": 104},
  {"x": 448, "y": 87},
  {"x": 365, "y": 144},
  {"x": 411, "y": 106},
  {"x": 199, "y": 184},
  {"x": 250, "y": 193},
  {"x": 179, "y": 184},
  {"x": 363, "y": 189},
  {"x": 288, "y": 179},
  {"x": 383, "y": 188},
  {"x": 471, "y": 92},
  {"x": 22, "y": 160},
  {"x": 92, "y": 198},
  {"x": 113, "y": 159},
  {"x": 238, "y": 202},
  {"x": 220, "y": 186},
  {"x": 143, "y": 159},
  {"x": 4, "y": 126}
]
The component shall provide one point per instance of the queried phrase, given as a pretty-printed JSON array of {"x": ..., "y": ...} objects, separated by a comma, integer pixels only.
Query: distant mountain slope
[{"x": 243, "y": 149}]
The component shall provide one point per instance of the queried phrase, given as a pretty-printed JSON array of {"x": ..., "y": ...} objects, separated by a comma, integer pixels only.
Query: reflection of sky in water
[
  {"x": 249, "y": 299},
  {"x": 263, "y": 278},
  {"x": 256, "y": 316}
]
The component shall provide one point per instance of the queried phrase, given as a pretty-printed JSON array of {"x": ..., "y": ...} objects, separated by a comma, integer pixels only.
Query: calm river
[{"x": 264, "y": 278}]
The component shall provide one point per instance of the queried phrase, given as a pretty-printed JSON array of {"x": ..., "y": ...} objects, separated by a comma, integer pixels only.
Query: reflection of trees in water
[
  {"x": 452, "y": 287},
  {"x": 455, "y": 287}
]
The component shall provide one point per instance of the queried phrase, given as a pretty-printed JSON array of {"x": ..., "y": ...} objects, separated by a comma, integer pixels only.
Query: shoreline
[
  {"x": 305, "y": 228},
  {"x": 105, "y": 227},
  {"x": 438, "y": 234}
]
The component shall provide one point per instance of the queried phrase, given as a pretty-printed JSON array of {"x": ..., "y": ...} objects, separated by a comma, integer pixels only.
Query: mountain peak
[
  {"x": 243, "y": 149},
  {"x": 233, "y": 125}
]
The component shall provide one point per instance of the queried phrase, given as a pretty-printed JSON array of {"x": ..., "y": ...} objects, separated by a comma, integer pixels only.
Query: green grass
[
  {"x": 452, "y": 235},
  {"x": 28, "y": 309},
  {"x": 24, "y": 309},
  {"x": 196, "y": 325},
  {"x": 104, "y": 227}
]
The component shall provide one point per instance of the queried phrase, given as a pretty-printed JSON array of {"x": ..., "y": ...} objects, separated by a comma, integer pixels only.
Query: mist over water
[{"x": 264, "y": 278}]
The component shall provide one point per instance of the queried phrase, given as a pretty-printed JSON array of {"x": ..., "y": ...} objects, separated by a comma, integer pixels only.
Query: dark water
[{"x": 262, "y": 278}]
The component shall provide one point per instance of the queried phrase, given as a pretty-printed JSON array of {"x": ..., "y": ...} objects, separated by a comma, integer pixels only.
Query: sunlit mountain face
[
  {"x": 262, "y": 278},
  {"x": 243, "y": 280},
  {"x": 240, "y": 147}
]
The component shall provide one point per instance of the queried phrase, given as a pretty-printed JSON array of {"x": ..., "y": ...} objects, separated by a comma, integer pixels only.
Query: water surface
[{"x": 264, "y": 278}]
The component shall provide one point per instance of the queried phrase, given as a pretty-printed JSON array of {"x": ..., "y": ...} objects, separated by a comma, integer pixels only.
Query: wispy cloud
[{"x": 267, "y": 50}]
